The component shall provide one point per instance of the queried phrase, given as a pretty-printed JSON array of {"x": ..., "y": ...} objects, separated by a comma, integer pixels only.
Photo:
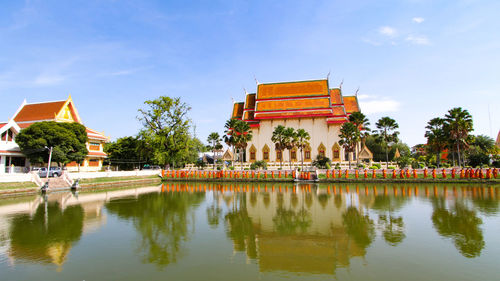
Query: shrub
[
  {"x": 391, "y": 168},
  {"x": 337, "y": 166},
  {"x": 258, "y": 164},
  {"x": 361, "y": 166},
  {"x": 373, "y": 167},
  {"x": 377, "y": 165},
  {"x": 231, "y": 168},
  {"x": 320, "y": 161},
  {"x": 328, "y": 166},
  {"x": 445, "y": 165}
]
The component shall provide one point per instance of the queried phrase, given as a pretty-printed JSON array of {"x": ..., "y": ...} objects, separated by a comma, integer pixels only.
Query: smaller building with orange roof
[{"x": 11, "y": 158}]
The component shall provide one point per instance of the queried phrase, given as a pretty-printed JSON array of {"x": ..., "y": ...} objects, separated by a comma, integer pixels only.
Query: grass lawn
[
  {"x": 115, "y": 179},
  {"x": 16, "y": 185}
]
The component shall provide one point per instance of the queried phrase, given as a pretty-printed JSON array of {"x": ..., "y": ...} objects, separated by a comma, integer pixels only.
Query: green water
[{"x": 254, "y": 232}]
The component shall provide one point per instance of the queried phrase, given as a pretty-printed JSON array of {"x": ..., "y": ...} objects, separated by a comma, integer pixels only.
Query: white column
[{"x": 2, "y": 164}]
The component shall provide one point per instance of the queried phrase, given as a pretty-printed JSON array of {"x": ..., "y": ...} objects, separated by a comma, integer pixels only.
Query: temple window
[
  {"x": 253, "y": 152},
  {"x": 307, "y": 155},
  {"x": 321, "y": 150},
  {"x": 265, "y": 153},
  {"x": 279, "y": 156}
]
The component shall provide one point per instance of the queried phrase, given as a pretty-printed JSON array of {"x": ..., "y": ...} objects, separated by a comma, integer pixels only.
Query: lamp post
[{"x": 48, "y": 165}]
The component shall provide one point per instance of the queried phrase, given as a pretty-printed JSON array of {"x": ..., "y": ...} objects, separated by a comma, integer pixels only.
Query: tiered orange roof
[
  {"x": 296, "y": 100},
  {"x": 351, "y": 104},
  {"x": 238, "y": 110}
]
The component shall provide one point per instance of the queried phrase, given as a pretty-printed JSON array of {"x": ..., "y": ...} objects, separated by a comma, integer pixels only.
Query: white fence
[
  {"x": 286, "y": 166},
  {"x": 92, "y": 175}
]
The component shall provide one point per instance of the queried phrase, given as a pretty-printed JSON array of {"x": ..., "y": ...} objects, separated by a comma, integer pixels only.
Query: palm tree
[
  {"x": 362, "y": 123},
  {"x": 436, "y": 137},
  {"x": 302, "y": 142},
  {"x": 387, "y": 132},
  {"x": 214, "y": 141},
  {"x": 228, "y": 136},
  {"x": 278, "y": 138},
  {"x": 458, "y": 125},
  {"x": 290, "y": 141},
  {"x": 349, "y": 137},
  {"x": 242, "y": 135}
]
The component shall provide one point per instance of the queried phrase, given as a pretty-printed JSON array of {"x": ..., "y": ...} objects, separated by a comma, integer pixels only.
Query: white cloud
[
  {"x": 418, "y": 40},
  {"x": 418, "y": 19},
  {"x": 371, "y": 42},
  {"x": 387, "y": 31},
  {"x": 371, "y": 104},
  {"x": 45, "y": 79}
]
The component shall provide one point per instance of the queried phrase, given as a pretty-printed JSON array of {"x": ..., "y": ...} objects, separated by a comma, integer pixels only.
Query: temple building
[
  {"x": 11, "y": 158},
  {"x": 309, "y": 105}
]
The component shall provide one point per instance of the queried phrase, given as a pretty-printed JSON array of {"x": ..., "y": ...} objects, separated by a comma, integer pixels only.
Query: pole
[{"x": 48, "y": 164}]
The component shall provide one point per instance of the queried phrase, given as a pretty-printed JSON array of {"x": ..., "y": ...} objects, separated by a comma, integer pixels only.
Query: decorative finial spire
[{"x": 255, "y": 78}]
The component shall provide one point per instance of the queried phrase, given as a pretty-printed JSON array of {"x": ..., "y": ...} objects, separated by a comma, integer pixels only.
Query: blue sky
[{"x": 412, "y": 60}]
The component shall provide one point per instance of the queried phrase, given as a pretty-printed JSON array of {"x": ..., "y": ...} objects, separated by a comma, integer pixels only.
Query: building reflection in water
[{"x": 45, "y": 229}]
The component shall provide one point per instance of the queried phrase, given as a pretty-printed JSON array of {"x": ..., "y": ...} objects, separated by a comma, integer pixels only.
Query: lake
[{"x": 208, "y": 231}]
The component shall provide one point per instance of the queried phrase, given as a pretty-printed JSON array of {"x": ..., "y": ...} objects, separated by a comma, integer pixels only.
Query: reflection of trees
[
  {"x": 393, "y": 229},
  {"x": 323, "y": 200},
  {"x": 241, "y": 229},
  {"x": 287, "y": 222},
  {"x": 359, "y": 227},
  {"x": 487, "y": 206},
  {"x": 214, "y": 214},
  {"x": 461, "y": 225},
  {"x": 338, "y": 201},
  {"x": 48, "y": 235},
  {"x": 162, "y": 220}
]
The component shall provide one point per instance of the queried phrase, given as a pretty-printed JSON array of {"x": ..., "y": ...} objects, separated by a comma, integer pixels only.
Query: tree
[
  {"x": 214, "y": 142},
  {"x": 387, "y": 132},
  {"x": 458, "y": 125},
  {"x": 242, "y": 135},
  {"x": 480, "y": 151},
  {"x": 279, "y": 138},
  {"x": 67, "y": 139},
  {"x": 302, "y": 142},
  {"x": 362, "y": 123},
  {"x": 228, "y": 135},
  {"x": 349, "y": 137},
  {"x": 166, "y": 128},
  {"x": 127, "y": 153},
  {"x": 290, "y": 142},
  {"x": 436, "y": 137}
]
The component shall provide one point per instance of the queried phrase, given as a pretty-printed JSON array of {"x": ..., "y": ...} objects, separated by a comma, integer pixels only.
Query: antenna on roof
[
  {"x": 356, "y": 94},
  {"x": 342, "y": 82},
  {"x": 255, "y": 78}
]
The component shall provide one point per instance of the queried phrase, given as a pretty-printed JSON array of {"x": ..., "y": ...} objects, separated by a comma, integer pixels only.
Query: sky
[{"x": 412, "y": 60}]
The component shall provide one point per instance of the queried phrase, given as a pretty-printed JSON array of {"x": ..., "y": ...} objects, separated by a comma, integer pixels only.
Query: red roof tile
[
  {"x": 39, "y": 111},
  {"x": 335, "y": 96},
  {"x": 351, "y": 104}
]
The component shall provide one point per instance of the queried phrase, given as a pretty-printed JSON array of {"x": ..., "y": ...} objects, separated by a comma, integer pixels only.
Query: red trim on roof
[
  {"x": 294, "y": 116},
  {"x": 295, "y": 109},
  {"x": 97, "y": 153},
  {"x": 294, "y": 98}
]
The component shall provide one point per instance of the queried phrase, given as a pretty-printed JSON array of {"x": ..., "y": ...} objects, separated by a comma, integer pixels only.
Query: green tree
[
  {"x": 166, "y": 129},
  {"x": 228, "y": 135},
  {"x": 387, "y": 132},
  {"x": 242, "y": 136},
  {"x": 214, "y": 142},
  {"x": 349, "y": 137},
  {"x": 436, "y": 137},
  {"x": 290, "y": 142},
  {"x": 127, "y": 153},
  {"x": 278, "y": 138},
  {"x": 67, "y": 139},
  {"x": 458, "y": 125},
  {"x": 302, "y": 142},
  {"x": 362, "y": 123}
]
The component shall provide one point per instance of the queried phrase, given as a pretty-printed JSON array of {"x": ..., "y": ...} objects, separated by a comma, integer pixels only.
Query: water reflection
[
  {"x": 164, "y": 223},
  {"x": 461, "y": 224},
  {"x": 48, "y": 235}
]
